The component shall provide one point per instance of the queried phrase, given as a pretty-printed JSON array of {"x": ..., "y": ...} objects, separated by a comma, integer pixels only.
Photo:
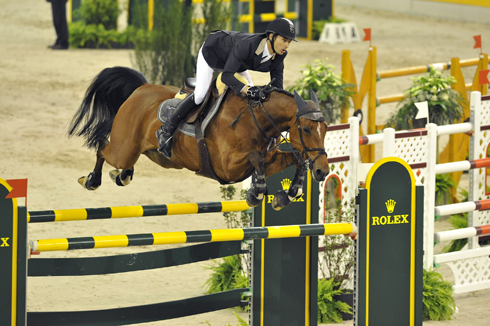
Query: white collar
[{"x": 266, "y": 53}]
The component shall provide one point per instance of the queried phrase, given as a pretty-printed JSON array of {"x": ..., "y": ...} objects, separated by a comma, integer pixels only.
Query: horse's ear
[
  {"x": 300, "y": 103},
  {"x": 313, "y": 97}
]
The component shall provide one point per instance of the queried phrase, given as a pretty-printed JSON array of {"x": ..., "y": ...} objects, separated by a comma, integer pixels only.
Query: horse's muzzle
[{"x": 319, "y": 174}]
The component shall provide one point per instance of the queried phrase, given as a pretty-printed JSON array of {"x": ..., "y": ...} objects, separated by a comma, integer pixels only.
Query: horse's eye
[{"x": 307, "y": 130}]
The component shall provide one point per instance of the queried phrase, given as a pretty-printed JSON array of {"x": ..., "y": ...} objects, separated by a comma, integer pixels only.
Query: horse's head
[{"x": 309, "y": 135}]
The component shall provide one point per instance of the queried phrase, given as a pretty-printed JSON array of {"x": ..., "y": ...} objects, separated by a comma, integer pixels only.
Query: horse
[{"x": 241, "y": 139}]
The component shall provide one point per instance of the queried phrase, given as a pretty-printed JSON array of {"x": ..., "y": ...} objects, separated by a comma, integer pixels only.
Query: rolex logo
[
  {"x": 390, "y": 205},
  {"x": 286, "y": 183}
]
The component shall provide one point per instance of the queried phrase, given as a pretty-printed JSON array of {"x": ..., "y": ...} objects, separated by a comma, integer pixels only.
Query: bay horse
[{"x": 240, "y": 138}]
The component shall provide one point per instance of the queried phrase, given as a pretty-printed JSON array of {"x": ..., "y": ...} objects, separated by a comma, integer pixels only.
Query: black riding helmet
[{"x": 283, "y": 27}]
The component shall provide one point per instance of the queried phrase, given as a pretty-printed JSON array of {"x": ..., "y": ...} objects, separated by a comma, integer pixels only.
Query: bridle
[
  {"x": 308, "y": 162},
  {"x": 304, "y": 159}
]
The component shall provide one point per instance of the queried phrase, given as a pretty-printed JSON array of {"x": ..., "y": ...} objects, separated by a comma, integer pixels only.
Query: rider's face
[{"x": 281, "y": 44}]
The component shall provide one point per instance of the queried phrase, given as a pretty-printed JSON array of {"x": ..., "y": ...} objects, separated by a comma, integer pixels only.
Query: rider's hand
[{"x": 253, "y": 93}]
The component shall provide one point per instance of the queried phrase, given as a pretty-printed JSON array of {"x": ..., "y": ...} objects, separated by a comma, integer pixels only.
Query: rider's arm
[
  {"x": 236, "y": 60},
  {"x": 277, "y": 74}
]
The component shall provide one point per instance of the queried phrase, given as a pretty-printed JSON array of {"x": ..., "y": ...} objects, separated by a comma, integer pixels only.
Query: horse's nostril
[{"x": 319, "y": 174}]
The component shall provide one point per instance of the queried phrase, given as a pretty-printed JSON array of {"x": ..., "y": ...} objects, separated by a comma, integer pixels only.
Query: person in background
[
  {"x": 58, "y": 8},
  {"x": 233, "y": 52}
]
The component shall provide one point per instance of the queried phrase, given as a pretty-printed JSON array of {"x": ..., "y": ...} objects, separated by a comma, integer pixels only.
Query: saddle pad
[{"x": 167, "y": 108}]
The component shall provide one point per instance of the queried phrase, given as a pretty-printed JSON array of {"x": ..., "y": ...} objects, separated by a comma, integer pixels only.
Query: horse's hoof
[
  {"x": 281, "y": 200},
  {"x": 83, "y": 182},
  {"x": 252, "y": 200},
  {"x": 116, "y": 177}
]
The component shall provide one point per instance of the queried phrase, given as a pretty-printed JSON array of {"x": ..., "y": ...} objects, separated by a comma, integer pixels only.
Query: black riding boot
[{"x": 166, "y": 131}]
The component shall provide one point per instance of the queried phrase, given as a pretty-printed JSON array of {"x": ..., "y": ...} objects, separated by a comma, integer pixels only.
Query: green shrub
[
  {"x": 96, "y": 12},
  {"x": 168, "y": 54},
  {"x": 96, "y": 26},
  {"x": 438, "y": 301},
  {"x": 331, "y": 92},
  {"x": 329, "y": 309},
  {"x": 444, "y": 187},
  {"x": 227, "y": 275}
]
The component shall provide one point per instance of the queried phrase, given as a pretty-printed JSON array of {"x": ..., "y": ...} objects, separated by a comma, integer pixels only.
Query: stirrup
[{"x": 166, "y": 149}]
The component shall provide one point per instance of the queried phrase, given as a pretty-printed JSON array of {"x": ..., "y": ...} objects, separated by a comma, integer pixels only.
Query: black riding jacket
[{"x": 233, "y": 52}]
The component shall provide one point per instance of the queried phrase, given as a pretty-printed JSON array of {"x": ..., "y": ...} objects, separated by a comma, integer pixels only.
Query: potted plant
[
  {"x": 444, "y": 103},
  {"x": 331, "y": 92},
  {"x": 337, "y": 258}
]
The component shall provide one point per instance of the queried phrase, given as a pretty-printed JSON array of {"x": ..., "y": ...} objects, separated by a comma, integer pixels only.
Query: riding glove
[{"x": 253, "y": 93}]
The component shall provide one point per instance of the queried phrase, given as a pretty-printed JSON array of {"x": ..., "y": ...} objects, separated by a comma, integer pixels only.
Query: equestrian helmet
[{"x": 283, "y": 27}]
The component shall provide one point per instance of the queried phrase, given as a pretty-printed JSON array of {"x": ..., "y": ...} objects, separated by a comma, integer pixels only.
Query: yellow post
[
  {"x": 371, "y": 123},
  {"x": 348, "y": 77},
  {"x": 365, "y": 86},
  {"x": 151, "y": 11},
  {"x": 309, "y": 32},
  {"x": 251, "y": 12},
  {"x": 482, "y": 65}
]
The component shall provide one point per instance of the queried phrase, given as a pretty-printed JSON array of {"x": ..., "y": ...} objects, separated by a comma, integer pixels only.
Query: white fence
[{"x": 471, "y": 266}]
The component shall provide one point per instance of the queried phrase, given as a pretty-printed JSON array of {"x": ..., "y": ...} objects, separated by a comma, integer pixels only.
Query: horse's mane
[{"x": 283, "y": 91}]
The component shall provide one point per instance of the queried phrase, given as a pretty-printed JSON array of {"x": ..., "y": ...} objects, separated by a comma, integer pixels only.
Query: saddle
[{"x": 196, "y": 123}]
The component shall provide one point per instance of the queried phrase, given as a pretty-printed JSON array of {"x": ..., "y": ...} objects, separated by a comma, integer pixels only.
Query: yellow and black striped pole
[
  {"x": 148, "y": 239},
  {"x": 79, "y": 214}
]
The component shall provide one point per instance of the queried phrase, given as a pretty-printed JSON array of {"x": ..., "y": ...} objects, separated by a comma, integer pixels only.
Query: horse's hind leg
[
  {"x": 94, "y": 179},
  {"x": 258, "y": 189},
  {"x": 122, "y": 177}
]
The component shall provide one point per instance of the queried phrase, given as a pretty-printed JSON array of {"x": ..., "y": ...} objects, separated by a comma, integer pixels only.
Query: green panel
[
  {"x": 322, "y": 9},
  {"x": 359, "y": 307},
  {"x": 392, "y": 262},
  {"x": 7, "y": 268},
  {"x": 285, "y": 261},
  {"x": 22, "y": 266},
  {"x": 132, "y": 262},
  {"x": 140, "y": 314},
  {"x": 385, "y": 243},
  {"x": 302, "y": 23},
  {"x": 419, "y": 259}
]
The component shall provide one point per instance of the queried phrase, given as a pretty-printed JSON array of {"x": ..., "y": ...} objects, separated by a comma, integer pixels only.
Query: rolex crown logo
[
  {"x": 286, "y": 183},
  {"x": 390, "y": 205}
]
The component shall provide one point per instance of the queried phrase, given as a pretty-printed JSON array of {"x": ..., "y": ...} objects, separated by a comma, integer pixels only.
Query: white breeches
[{"x": 204, "y": 75}]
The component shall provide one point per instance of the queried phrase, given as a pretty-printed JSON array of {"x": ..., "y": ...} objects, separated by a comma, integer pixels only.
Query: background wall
[{"x": 477, "y": 11}]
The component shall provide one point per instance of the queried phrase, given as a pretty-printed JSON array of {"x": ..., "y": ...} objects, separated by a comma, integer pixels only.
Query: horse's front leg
[
  {"x": 283, "y": 198},
  {"x": 258, "y": 189}
]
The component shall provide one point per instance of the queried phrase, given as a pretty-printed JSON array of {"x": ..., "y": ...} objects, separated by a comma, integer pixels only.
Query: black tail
[{"x": 106, "y": 94}]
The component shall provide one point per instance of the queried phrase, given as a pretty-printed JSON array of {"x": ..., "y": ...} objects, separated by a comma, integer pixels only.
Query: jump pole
[{"x": 220, "y": 235}]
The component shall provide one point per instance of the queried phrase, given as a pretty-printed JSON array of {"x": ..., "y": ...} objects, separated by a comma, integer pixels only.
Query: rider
[{"x": 232, "y": 52}]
